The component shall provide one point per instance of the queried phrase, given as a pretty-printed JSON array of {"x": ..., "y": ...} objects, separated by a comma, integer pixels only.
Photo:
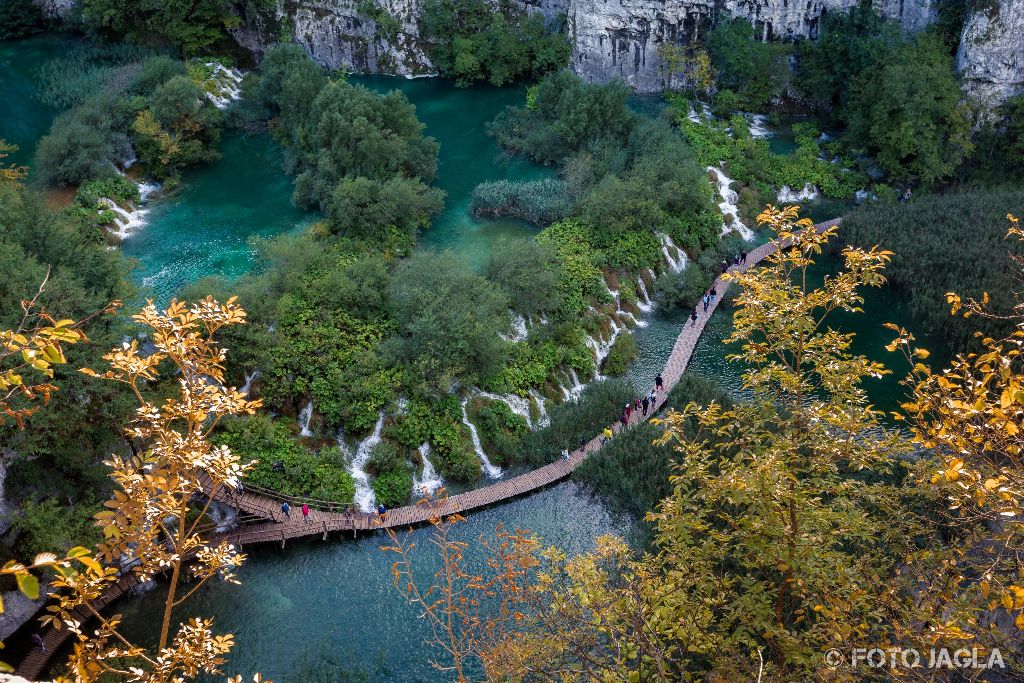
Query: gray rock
[
  {"x": 991, "y": 54},
  {"x": 55, "y": 9}
]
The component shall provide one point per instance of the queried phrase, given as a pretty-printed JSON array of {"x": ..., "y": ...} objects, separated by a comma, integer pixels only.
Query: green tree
[
  {"x": 529, "y": 272},
  {"x": 180, "y": 128},
  {"x": 757, "y": 71},
  {"x": 910, "y": 113},
  {"x": 193, "y": 26},
  {"x": 84, "y": 143},
  {"x": 448, "y": 319},
  {"x": 364, "y": 208}
]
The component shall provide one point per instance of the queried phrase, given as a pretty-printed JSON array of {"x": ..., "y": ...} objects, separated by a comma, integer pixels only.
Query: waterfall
[
  {"x": 730, "y": 212},
  {"x": 576, "y": 387},
  {"x": 644, "y": 302},
  {"x": 364, "y": 492},
  {"x": 519, "y": 331},
  {"x": 249, "y": 378},
  {"x": 127, "y": 221},
  {"x": 788, "y": 196},
  {"x": 758, "y": 125},
  {"x": 517, "y": 404},
  {"x": 675, "y": 262},
  {"x": 428, "y": 482},
  {"x": 489, "y": 469},
  {"x": 543, "y": 420},
  {"x": 224, "y": 85},
  {"x": 304, "y": 419}
]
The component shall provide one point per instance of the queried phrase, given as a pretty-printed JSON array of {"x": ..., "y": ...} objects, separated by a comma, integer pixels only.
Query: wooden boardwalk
[{"x": 279, "y": 528}]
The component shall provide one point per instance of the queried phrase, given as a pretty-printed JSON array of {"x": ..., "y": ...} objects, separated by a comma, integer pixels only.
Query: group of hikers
[{"x": 640, "y": 406}]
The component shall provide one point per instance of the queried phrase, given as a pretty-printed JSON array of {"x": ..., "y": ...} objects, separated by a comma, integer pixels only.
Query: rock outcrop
[
  {"x": 991, "y": 54},
  {"x": 620, "y": 38}
]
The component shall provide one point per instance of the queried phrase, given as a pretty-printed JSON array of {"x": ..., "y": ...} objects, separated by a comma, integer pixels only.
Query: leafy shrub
[
  {"x": 472, "y": 40},
  {"x": 394, "y": 487},
  {"x": 756, "y": 71},
  {"x": 52, "y": 526},
  {"x": 300, "y": 474},
  {"x": 598, "y": 406},
  {"x": 529, "y": 272},
  {"x": 622, "y": 353},
  {"x": 117, "y": 188},
  {"x": 85, "y": 143}
]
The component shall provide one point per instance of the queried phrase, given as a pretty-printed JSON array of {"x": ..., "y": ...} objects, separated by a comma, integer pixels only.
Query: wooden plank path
[{"x": 279, "y": 528}]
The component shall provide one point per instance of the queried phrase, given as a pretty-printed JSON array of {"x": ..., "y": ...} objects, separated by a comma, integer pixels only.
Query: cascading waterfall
[
  {"x": 490, "y": 470},
  {"x": 519, "y": 331},
  {"x": 788, "y": 196},
  {"x": 246, "y": 388},
  {"x": 543, "y": 419},
  {"x": 365, "y": 497},
  {"x": 429, "y": 481},
  {"x": 128, "y": 221},
  {"x": 575, "y": 388},
  {"x": 305, "y": 417},
  {"x": 758, "y": 125},
  {"x": 517, "y": 404},
  {"x": 675, "y": 262},
  {"x": 730, "y": 212},
  {"x": 224, "y": 85},
  {"x": 644, "y": 302}
]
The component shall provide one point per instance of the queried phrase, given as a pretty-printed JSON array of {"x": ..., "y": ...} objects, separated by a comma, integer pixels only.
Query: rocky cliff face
[
  {"x": 620, "y": 38},
  {"x": 991, "y": 54},
  {"x": 339, "y": 36}
]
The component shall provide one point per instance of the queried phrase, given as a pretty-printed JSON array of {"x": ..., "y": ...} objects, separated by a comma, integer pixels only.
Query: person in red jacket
[{"x": 305, "y": 512}]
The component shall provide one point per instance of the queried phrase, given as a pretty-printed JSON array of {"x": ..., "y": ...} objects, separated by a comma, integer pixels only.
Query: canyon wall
[
  {"x": 991, "y": 54},
  {"x": 620, "y": 38}
]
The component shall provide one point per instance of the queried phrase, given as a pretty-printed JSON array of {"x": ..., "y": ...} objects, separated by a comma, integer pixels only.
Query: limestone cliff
[
  {"x": 991, "y": 54},
  {"x": 620, "y": 38}
]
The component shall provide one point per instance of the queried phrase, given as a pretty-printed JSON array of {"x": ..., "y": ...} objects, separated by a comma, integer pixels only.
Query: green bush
[
  {"x": 302, "y": 474},
  {"x": 473, "y": 40},
  {"x": 529, "y": 272},
  {"x": 85, "y": 143},
  {"x": 117, "y": 188},
  {"x": 393, "y": 487},
  {"x": 598, "y": 406},
  {"x": 622, "y": 353},
  {"x": 52, "y": 526},
  {"x": 756, "y": 71}
]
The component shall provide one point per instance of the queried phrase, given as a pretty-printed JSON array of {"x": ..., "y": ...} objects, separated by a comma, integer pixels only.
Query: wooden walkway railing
[{"x": 279, "y": 528}]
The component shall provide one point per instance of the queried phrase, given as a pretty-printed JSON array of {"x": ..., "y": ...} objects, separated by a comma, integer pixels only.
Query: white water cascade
[
  {"x": 127, "y": 221},
  {"x": 519, "y": 331},
  {"x": 429, "y": 481},
  {"x": 730, "y": 212},
  {"x": 517, "y": 404},
  {"x": 225, "y": 84},
  {"x": 644, "y": 301},
  {"x": 305, "y": 416},
  {"x": 490, "y": 470},
  {"x": 788, "y": 196},
  {"x": 365, "y": 497},
  {"x": 249, "y": 379},
  {"x": 675, "y": 258},
  {"x": 758, "y": 124},
  {"x": 543, "y": 420},
  {"x": 573, "y": 391}
]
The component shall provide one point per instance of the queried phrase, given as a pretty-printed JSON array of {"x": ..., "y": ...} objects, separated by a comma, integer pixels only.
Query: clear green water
[
  {"x": 207, "y": 226},
  {"x": 23, "y": 118},
  {"x": 457, "y": 118},
  {"x": 335, "y": 601}
]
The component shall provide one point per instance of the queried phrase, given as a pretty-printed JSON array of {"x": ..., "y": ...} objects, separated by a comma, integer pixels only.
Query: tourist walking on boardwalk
[
  {"x": 636, "y": 405},
  {"x": 565, "y": 454},
  {"x": 651, "y": 397},
  {"x": 645, "y": 404},
  {"x": 714, "y": 293},
  {"x": 624, "y": 419},
  {"x": 743, "y": 257},
  {"x": 305, "y": 512},
  {"x": 606, "y": 435},
  {"x": 707, "y": 302},
  {"x": 627, "y": 411},
  {"x": 39, "y": 642},
  {"x": 286, "y": 509},
  {"x": 693, "y": 318},
  {"x": 725, "y": 267},
  {"x": 659, "y": 383}
]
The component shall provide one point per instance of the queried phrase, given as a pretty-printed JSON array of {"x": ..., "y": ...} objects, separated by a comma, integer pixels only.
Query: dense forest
[{"x": 776, "y": 519}]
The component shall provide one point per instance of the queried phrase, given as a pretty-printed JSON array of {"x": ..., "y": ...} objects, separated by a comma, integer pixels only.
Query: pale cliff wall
[
  {"x": 991, "y": 54},
  {"x": 620, "y": 38}
]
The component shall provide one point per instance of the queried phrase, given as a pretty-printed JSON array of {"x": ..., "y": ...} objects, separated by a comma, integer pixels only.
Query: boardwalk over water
[{"x": 277, "y": 528}]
